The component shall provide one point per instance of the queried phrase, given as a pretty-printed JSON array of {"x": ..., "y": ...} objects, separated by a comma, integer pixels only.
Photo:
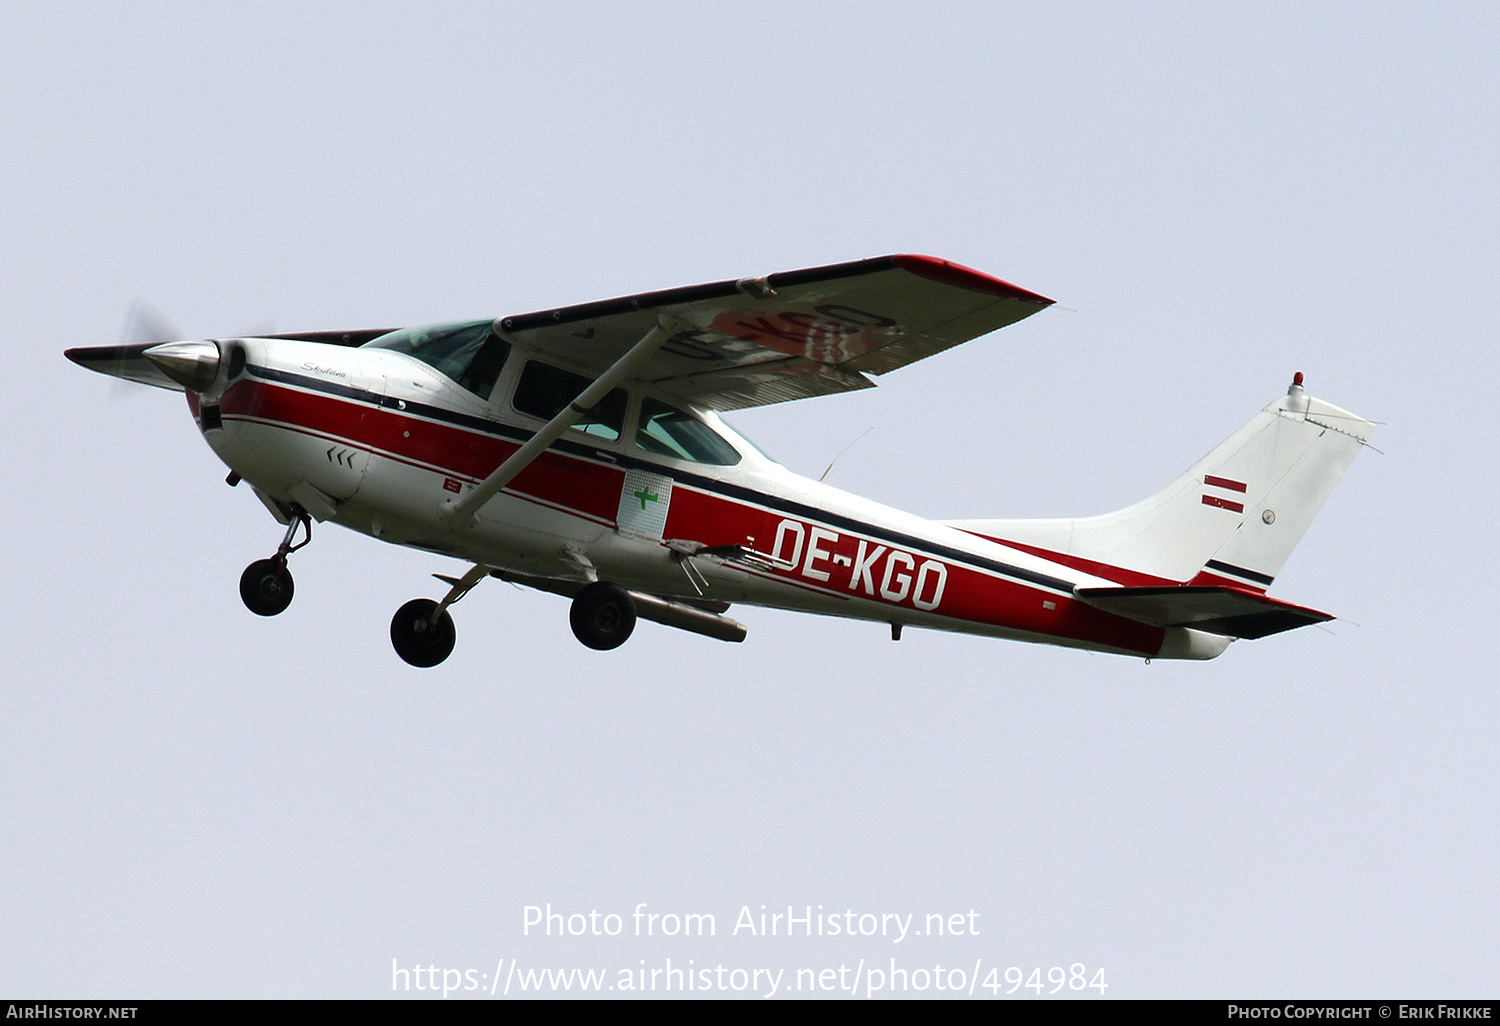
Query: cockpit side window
[
  {"x": 470, "y": 353},
  {"x": 544, "y": 390},
  {"x": 668, "y": 431}
]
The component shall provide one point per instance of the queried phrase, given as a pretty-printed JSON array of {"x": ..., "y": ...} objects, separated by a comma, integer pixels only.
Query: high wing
[{"x": 755, "y": 341}]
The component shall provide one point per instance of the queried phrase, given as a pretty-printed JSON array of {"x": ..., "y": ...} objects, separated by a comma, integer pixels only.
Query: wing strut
[{"x": 486, "y": 490}]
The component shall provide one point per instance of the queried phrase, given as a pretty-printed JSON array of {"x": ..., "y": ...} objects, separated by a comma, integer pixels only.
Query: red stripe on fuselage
[
  {"x": 591, "y": 489},
  {"x": 1207, "y": 578},
  {"x": 1117, "y": 574}
]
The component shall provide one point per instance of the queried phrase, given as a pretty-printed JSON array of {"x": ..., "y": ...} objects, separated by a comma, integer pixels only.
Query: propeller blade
[{"x": 145, "y": 323}]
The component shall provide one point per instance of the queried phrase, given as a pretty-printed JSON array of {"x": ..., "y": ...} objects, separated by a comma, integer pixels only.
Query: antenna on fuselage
[{"x": 841, "y": 453}]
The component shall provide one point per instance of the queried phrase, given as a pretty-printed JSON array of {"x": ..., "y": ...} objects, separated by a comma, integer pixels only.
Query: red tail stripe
[
  {"x": 1214, "y": 500},
  {"x": 1224, "y": 482}
]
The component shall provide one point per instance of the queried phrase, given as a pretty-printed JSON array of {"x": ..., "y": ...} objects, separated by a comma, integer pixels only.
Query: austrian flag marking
[{"x": 1223, "y": 484}]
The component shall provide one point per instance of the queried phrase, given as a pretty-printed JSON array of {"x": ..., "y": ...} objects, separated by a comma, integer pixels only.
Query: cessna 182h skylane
[{"x": 579, "y": 451}]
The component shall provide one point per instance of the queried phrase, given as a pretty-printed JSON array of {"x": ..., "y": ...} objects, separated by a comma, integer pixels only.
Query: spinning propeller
[{"x": 150, "y": 352}]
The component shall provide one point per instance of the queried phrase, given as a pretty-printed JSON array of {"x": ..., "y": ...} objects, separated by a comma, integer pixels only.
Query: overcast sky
[{"x": 195, "y": 801}]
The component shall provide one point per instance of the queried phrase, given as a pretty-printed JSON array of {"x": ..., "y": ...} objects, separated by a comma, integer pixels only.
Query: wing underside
[{"x": 792, "y": 335}]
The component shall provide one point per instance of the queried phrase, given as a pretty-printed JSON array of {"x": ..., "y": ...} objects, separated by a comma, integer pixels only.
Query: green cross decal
[{"x": 645, "y": 495}]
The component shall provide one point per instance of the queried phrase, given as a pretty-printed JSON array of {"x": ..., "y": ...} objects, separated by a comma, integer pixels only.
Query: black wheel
[
  {"x": 416, "y": 639},
  {"x": 266, "y": 587},
  {"x": 603, "y": 615}
]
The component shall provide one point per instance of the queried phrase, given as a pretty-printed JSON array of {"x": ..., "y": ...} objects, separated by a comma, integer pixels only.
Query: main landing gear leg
[
  {"x": 266, "y": 585},
  {"x": 422, "y": 631}
]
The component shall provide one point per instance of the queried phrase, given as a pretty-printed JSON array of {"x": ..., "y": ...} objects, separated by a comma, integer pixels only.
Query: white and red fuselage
[
  {"x": 577, "y": 451},
  {"x": 389, "y": 439}
]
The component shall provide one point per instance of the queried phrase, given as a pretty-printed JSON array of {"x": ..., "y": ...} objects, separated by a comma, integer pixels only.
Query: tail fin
[{"x": 1232, "y": 518}]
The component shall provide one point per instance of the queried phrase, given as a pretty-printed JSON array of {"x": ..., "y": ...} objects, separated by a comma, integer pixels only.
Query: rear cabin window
[
  {"x": 668, "y": 431},
  {"x": 544, "y": 390},
  {"x": 469, "y": 353}
]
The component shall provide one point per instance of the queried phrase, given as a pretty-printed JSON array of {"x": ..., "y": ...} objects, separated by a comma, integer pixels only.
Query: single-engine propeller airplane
[{"x": 580, "y": 451}]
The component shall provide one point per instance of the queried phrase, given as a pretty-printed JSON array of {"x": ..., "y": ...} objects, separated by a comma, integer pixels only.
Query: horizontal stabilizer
[{"x": 1227, "y": 611}]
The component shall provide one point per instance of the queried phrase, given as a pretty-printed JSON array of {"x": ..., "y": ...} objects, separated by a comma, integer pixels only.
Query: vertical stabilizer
[{"x": 1234, "y": 516}]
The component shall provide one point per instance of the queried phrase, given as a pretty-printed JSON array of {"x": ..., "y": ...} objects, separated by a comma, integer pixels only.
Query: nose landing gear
[{"x": 266, "y": 585}]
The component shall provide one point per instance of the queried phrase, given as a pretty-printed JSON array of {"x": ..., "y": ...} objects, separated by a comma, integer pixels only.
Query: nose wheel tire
[
  {"x": 417, "y": 639},
  {"x": 266, "y": 587},
  {"x": 603, "y": 615}
]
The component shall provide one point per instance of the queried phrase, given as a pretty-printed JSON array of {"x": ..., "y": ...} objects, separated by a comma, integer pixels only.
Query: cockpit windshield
[
  {"x": 470, "y": 352},
  {"x": 668, "y": 431}
]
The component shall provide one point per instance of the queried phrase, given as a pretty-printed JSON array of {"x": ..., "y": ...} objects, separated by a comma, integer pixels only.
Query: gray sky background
[{"x": 198, "y": 802}]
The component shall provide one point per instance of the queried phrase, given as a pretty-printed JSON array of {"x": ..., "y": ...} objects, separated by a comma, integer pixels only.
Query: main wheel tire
[
  {"x": 416, "y": 639},
  {"x": 266, "y": 587},
  {"x": 603, "y": 615}
]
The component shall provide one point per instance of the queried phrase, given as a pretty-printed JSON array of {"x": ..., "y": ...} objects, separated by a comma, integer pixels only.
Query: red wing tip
[{"x": 959, "y": 276}]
